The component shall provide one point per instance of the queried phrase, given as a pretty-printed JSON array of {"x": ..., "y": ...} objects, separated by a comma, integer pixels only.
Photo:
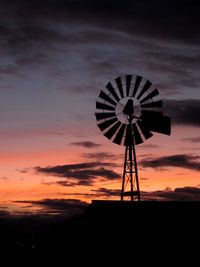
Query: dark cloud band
[
  {"x": 186, "y": 161},
  {"x": 83, "y": 173},
  {"x": 86, "y": 144},
  {"x": 178, "y": 194},
  {"x": 185, "y": 112}
]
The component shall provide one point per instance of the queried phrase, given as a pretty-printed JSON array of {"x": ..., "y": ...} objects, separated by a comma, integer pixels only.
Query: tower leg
[
  {"x": 136, "y": 174},
  {"x": 130, "y": 175},
  {"x": 131, "y": 171},
  {"x": 124, "y": 173}
]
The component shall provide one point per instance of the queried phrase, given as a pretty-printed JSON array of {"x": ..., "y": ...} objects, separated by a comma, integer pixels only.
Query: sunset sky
[{"x": 55, "y": 57}]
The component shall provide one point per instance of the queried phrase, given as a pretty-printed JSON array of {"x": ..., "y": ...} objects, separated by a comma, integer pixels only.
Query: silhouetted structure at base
[
  {"x": 104, "y": 225},
  {"x": 145, "y": 210},
  {"x": 147, "y": 225}
]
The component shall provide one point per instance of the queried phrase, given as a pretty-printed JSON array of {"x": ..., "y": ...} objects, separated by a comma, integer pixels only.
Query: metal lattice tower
[{"x": 130, "y": 175}]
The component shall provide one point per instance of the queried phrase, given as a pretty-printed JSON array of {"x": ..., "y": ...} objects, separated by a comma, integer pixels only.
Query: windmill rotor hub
[
  {"x": 133, "y": 109},
  {"x": 129, "y": 109}
]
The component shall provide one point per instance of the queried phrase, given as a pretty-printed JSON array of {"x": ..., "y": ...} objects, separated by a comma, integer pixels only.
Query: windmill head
[{"x": 129, "y": 110}]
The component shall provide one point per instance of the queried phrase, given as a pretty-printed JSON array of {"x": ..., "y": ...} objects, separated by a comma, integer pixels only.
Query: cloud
[
  {"x": 105, "y": 192},
  {"x": 26, "y": 24},
  {"x": 99, "y": 156},
  {"x": 192, "y": 139},
  {"x": 66, "y": 183},
  {"x": 187, "y": 161},
  {"x": 63, "y": 206},
  {"x": 8, "y": 71},
  {"x": 101, "y": 192},
  {"x": 62, "y": 183},
  {"x": 15, "y": 133},
  {"x": 87, "y": 144},
  {"x": 148, "y": 146},
  {"x": 178, "y": 194},
  {"x": 4, "y": 178},
  {"x": 185, "y": 112},
  {"x": 101, "y": 38},
  {"x": 141, "y": 17},
  {"x": 82, "y": 173}
]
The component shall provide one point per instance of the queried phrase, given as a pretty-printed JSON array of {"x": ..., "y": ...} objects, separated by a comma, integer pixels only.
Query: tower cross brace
[{"x": 130, "y": 172}]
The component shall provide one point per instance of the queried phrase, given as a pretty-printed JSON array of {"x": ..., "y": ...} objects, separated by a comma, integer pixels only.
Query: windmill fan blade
[
  {"x": 128, "y": 84},
  {"x": 105, "y": 97},
  {"x": 109, "y": 134},
  {"x": 120, "y": 134},
  {"x": 105, "y": 115},
  {"x": 151, "y": 95},
  {"x": 156, "y": 122},
  {"x": 119, "y": 85},
  {"x": 137, "y": 84},
  {"x": 104, "y": 106},
  {"x": 147, "y": 134},
  {"x": 105, "y": 124},
  {"x": 144, "y": 89},
  {"x": 137, "y": 136},
  {"x": 112, "y": 91},
  {"x": 156, "y": 104}
]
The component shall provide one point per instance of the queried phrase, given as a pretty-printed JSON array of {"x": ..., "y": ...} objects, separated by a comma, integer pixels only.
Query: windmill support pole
[
  {"x": 131, "y": 159},
  {"x": 130, "y": 172},
  {"x": 136, "y": 173},
  {"x": 130, "y": 175},
  {"x": 124, "y": 173}
]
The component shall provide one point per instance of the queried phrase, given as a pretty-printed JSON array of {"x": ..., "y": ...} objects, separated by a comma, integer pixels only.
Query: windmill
[{"x": 127, "y": 112}]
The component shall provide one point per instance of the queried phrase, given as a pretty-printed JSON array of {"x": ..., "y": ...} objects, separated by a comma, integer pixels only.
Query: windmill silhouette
[{"x": 127, "y": 112}]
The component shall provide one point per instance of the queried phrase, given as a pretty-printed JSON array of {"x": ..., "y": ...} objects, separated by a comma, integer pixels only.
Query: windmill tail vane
[{"x": 128, "y": 110}]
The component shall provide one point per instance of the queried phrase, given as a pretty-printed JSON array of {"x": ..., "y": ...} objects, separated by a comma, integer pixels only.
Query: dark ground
[{"x": 139, "y": 226}]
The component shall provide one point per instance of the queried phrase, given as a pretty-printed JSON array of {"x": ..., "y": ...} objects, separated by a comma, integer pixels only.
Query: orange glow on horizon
[{"x": 19, "y": 180}]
